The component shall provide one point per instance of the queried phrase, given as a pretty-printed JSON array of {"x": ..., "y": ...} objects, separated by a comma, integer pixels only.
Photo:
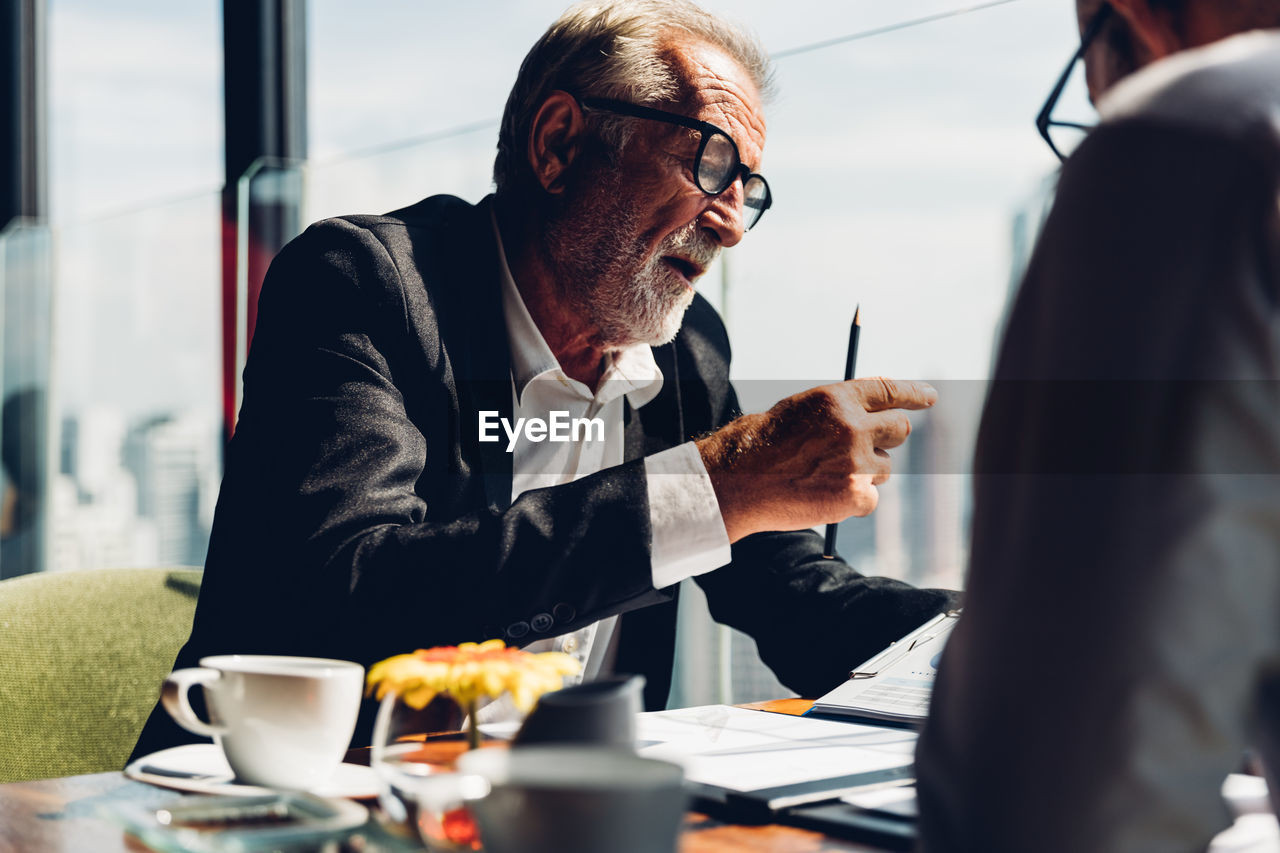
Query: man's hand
[{"x": 814, "y": 458}]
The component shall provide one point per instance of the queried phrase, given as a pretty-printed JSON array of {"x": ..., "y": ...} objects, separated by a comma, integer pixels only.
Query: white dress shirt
[{"x": 689, "y": 536}]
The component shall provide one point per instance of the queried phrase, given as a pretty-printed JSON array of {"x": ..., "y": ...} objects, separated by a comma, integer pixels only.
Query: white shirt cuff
[{"x": 688, "y": 531}]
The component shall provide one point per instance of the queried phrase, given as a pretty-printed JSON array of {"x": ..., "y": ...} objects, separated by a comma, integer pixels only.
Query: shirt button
[
  {"x": 570, "y": 645},
  {"x": 564, "y": 612},
  {"x": 541, "y": 623},
  {"x": 516, "y": 630}
]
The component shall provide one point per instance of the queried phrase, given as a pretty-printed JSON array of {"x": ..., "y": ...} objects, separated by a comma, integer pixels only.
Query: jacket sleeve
[
  {"x": 1125, "y": 565},
  {"x": 813, "y": 619}
]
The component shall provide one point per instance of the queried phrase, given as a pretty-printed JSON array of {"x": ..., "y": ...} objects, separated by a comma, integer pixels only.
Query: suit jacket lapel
[
  {"x": 659, "y": 424},
  {"x": 484, "y": 380}
]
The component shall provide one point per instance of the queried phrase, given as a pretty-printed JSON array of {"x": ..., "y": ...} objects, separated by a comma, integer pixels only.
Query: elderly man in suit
[
  {"x": 394, "y": 481},
  {"x": 1121, "y": 638}
]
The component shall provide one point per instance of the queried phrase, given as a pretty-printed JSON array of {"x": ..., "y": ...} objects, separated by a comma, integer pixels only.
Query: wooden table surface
[{"x": 64, "y": 816}]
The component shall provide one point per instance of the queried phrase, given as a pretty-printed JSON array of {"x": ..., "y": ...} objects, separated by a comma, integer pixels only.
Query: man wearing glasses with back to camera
[
  {"x": 1120, "y": 646},
  {"x": 380, "y": 494}
]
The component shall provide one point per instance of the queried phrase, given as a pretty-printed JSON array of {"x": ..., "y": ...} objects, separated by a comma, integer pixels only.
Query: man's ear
[
  {"x": 555, "y": 138},
  {"x": 1155, "y": 32}
]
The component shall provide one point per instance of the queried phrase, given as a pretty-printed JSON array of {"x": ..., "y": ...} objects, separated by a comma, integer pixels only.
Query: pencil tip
[{"x": 857, "y": 315}]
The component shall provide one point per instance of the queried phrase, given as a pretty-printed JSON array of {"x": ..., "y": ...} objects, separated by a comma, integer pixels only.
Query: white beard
[
  {"x": 605, "y": 272},
  {"x": 649, "y": 307}
]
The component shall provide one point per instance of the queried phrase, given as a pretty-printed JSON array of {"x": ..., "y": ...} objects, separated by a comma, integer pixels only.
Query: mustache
[{"x": 693, "y": 243}]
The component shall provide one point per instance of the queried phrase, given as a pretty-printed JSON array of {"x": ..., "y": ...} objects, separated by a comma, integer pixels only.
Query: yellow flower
[{"x": 470, "y": 671}]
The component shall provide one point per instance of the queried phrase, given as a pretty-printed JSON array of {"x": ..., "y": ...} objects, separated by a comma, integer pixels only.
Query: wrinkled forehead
[{"x": 716, "y": 88}]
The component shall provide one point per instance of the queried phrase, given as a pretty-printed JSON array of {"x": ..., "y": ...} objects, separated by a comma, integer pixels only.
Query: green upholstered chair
[{"x": 82, "y": 657}]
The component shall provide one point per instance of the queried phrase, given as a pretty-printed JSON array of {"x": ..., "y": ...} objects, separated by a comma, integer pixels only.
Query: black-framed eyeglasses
[
  {"x": 1045, "y": 123},
  {"x": 716, "y": 165}
]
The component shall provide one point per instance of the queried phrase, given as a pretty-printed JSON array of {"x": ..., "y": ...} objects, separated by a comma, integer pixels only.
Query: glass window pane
[
  {"x": 25, "y": 274},
  {"x": 135, "y": 166},
  {"x": 135, "y": 103},
  {"x": 137, "y": 374}
]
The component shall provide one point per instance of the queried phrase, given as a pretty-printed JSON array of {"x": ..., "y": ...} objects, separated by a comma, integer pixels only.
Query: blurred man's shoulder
[{"x": 1228, "y": 86}]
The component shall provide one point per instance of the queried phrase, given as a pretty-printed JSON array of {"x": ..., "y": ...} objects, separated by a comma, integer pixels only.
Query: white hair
[{"x": 613, "y": 49}]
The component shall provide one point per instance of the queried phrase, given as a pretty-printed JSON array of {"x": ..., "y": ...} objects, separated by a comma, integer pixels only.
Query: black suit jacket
[{"x": 361, "y": 517}]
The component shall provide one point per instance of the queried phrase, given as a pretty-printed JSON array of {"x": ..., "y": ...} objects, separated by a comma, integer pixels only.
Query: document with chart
[{"x": 895, "y": 685}]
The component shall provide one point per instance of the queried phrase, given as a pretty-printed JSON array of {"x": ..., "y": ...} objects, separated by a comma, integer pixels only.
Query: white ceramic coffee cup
[{"x": 282, "y": 722}]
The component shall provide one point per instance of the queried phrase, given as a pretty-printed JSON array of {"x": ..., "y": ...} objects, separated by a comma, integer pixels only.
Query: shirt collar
[{"x": 631, "y": 371}]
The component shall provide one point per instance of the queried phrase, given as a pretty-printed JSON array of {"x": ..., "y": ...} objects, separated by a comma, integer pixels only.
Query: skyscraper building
[{"x": 174, "y": 460}]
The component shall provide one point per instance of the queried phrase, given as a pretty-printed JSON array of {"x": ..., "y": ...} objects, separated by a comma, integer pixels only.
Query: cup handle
[{"x": 174, "y": 698}]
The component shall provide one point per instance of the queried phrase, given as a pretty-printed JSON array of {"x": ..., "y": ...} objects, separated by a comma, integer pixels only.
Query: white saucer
[{"x": 200, "y": 768}]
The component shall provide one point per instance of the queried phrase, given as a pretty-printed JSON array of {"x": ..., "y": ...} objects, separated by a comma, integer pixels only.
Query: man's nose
[{"x": 724, "y": 216}]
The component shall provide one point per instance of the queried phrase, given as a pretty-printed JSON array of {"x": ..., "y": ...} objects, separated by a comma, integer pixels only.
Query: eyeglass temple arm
[
  {"x": 1095, "y": 26},
  {"x": 1042, "y": 120}
]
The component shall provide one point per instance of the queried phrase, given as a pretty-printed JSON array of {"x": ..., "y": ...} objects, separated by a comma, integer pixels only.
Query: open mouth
[{"x": 688, "y": 270}]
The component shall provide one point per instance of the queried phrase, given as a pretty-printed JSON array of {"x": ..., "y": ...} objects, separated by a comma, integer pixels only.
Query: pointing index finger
[{"x": 882, "y": 393}]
